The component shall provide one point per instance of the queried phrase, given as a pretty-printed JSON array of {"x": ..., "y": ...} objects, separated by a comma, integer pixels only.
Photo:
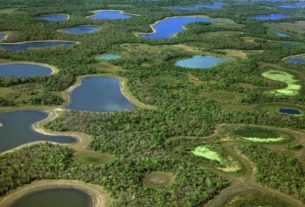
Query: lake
[
  {"x": 109, "y": 14},
  {"x": 17, "y": 130},
  {"x": 99, "y": 94},
  {"x": 55, "y": 197},
  {"x": 36, "y": 44},
  {"x": 168, "y": 27},
  {"x": 109, "y": 57},
  {"x": 272, "y": 17},
  {"x": 23, "y": 70},
  {"x": 200, "y": 62},
  {"x": 55, "y": 17},
  {"x": 83, "y": 29}
]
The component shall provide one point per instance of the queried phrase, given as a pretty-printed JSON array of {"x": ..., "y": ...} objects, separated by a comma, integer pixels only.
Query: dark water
[
  {"x": 290, "y": 111},
  {"x": 99, "y": 94},
  {"x": 81, "y": 29},
  {"x": 27, "y": 45},
  {"x": 23, "y": 70},
  {"x": 168, "y": 27},
  {"x": 54, "y": 18},
  {"x": 17, "y": 129},
  {"x": 110, "y": 14},
  {"x": 272, "y": 17},
  {"x": 55, "y": 197}
]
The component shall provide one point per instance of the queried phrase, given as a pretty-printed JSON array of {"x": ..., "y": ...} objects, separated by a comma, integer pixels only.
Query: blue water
[
  {"x": 296, "y": 5},
  {"x": 27, "y": 45},
  {"x": 272, "y": 17},
  {"x": 281, "y": 34},
  {"x": 2, "y": 36},
  {"x": 17, "y": 129},
  {"x": 168, "y": 27},
  {"x": 214, "y": 6},
  {"x": 290, "y": 111},
  {"x": 23, "y": 70},
  {"x": 99, "y": 94},
  {"x": 81, "y": 29},
  {"x": 110, "y": 14},
  {"x": 200, "y": 62},
  {"x": 296, "y": 60},
  {"x": 109, "y": 57},
  {"x": 54, "y": 18}
]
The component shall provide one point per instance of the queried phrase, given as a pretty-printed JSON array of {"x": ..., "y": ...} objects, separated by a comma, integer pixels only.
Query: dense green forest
[{"x": 188, "y": 108}]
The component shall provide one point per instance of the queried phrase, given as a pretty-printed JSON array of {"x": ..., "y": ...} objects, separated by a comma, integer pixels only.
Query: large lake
[
  {"x": 37, "y": 44},
  {"x": 55, "y": 197},
  {"x": 110, "y": 14},
  {"x": 17, "y": 129},
  {"x": 23, "y": 70},
  {"x": 168, "y": 27},
  {"x": 99, "y": 94}
]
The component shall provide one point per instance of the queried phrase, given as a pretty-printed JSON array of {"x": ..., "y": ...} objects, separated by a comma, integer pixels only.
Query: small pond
[
  {"x": 2, "y": 36},
  {"x": 109, "y": 57},
  {"x": 200, "y": 62},
  {"x": 23, "y": 70},
  {"x": 55, "y": 17},
  {"x": 59, "y": 197},
  {"x": 83, "y": 29},
  {"x": 37, "y": 44},
  {"x": 99, "y": 94},
  {"x": 296, "y": 60},
  {"x": 290, "y": 111},
  {"x": 110, "y": 14},
  {"x": 282, "y": 34},
  {"x": 272, "y": 17},
  {"x": 17, "y": 130}
]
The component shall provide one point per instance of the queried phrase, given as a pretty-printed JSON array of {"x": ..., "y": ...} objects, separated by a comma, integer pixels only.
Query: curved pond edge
[
  {"x": 123, "y": 87},
  {"x": 113, "y": 10},
  {"x": 99, "y": 197},
  {"x": 82, "y": 140},
  {"x": 53, "y": 68},
  {"x": 152, "y": 26}
]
